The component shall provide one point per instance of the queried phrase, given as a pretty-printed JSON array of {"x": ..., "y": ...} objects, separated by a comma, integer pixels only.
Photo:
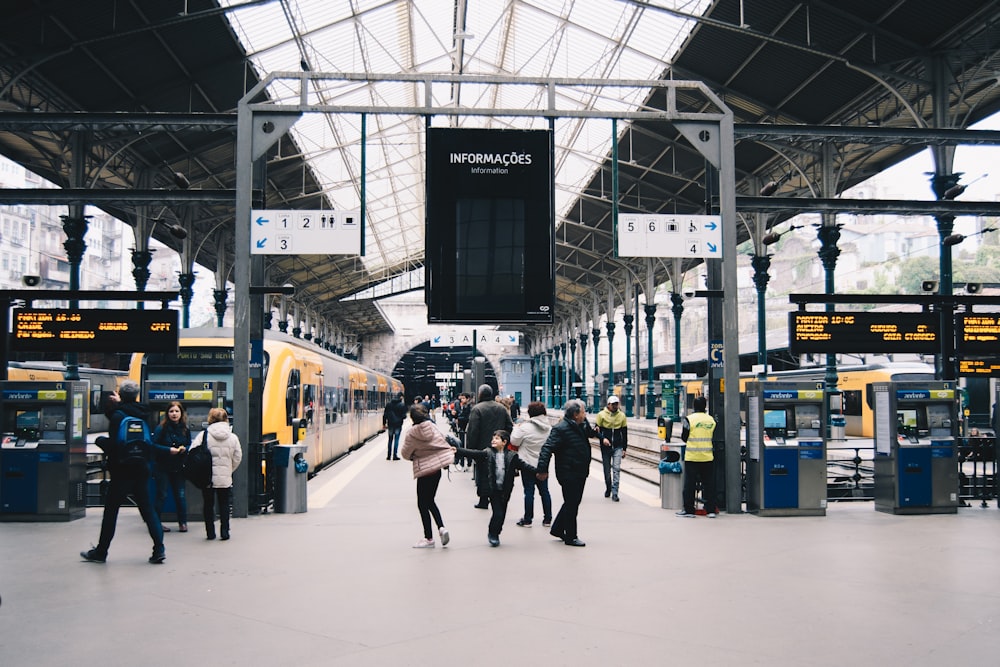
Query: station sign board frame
[
  {"x": 93, "y": 330},
  {"x": 863, "y": 332},
  {"x": 977, "y": 333}
]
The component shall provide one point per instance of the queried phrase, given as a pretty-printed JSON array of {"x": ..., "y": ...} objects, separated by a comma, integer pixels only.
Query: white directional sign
[
  {"x": 482, "y": 338},
  {"x": 644, "y": 235},
  {"x": 276, "y": 232}
]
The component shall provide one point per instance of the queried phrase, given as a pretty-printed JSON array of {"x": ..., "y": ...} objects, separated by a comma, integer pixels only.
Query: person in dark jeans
[
  {"x": 498, "y": 465},
  {"x": 227, "y": 453},
  {"x": 173, "y": 431},
  {"x": 569, "y": 441},
  {"x": 127, "y": 480},
  {"x": 392, "y": 421}
]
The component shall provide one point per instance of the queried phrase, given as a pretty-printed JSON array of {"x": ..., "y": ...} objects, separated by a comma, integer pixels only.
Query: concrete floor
[{"x": 341, "y": 585}]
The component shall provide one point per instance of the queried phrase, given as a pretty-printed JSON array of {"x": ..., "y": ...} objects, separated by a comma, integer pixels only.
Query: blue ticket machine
[
  {"x": 786, "y": 446},
  {"x": 197, "y": 398},
  {"x": 43, "y": 450},
  {"x": 916, "y": 468}
]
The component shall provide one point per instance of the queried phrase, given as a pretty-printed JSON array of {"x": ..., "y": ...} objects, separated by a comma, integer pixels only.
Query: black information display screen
[
  {"x": 490, "y": 252},
  {"x": 916, "y": 333},
  {"x": 985, "y": 367},
  {"x": 977, "y": 333},
  {"x": 93, "y": 330}
]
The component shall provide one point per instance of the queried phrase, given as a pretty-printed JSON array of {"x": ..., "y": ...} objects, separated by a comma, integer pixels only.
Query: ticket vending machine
[
  {"x": 916, "y": 469},
  {"x": 198, "y": 398},
  {"x": 43, "y": 450},
  {"x": 786, "y": 444}
]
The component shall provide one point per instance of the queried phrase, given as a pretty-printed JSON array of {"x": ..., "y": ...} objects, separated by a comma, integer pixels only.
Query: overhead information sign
[
  {"x": 830, "y": 333},
  {"x": 482, "y": 338},
  {"x": 979, "y": 367},
  {"x": 93, "y": 330},
  {"x": 977, "y": 333},
  {"x": 645, "y": 235},
  {"x": 276, "y": 232}
]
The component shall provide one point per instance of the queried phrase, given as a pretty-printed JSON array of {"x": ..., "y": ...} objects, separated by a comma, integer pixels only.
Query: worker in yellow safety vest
[{"x": 697, "y": 432}]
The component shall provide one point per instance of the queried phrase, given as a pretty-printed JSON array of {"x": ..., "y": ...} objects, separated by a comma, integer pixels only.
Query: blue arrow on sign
[
  {"x": 512, "y": 339},
  {"x": 261, "y": 220},
  {"x": 262, "y": 242},
  {"x": 437, "y": 339},
  {"x": 712, "y": 247},
  {"x": 711, "y": 226}
]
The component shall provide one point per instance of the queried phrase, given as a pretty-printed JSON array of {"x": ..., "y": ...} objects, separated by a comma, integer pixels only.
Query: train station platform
[{"x": 342, "y": 585}]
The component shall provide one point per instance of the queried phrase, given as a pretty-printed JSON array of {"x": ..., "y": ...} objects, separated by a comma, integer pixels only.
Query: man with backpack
[{"x": 128, "y": 447}]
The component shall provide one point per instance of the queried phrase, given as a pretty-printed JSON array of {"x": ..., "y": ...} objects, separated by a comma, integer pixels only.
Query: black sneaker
[
  {"x": 522, "y": 522},
  {"x": 157, "y": 557},
  {"x": 93, "y": 556}
]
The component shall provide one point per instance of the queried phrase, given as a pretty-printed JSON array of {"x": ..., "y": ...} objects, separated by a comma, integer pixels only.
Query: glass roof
[{"x": 581, "y": 39}]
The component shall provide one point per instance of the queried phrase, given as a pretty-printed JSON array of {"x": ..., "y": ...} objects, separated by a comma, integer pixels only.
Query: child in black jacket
[{"x": 498, "y": 464}]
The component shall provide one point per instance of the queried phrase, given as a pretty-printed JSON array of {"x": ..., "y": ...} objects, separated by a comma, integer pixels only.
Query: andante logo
[{"x": 491, "y": 159}]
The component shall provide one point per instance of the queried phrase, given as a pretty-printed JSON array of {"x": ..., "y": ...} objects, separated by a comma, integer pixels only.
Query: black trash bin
[{"x": 290, "y": 479}]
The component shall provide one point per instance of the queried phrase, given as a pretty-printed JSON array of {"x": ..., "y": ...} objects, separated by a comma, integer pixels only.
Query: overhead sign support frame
[{"x": 257, "y": 122}]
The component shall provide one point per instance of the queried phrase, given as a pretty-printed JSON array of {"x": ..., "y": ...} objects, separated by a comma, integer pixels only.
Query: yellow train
[{"x": 340, "y": 400}]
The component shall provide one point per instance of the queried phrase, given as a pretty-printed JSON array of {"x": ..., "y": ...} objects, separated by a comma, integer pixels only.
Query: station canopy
[{"x": 874, "y": 66}]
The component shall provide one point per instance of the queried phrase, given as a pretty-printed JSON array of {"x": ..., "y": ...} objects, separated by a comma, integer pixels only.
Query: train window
[
  {"x": 292, "y": 393},
  {"x": 330, "y": 402},
  {"x": 852, "y": 402},
  {"x": 309, "y": 400}
]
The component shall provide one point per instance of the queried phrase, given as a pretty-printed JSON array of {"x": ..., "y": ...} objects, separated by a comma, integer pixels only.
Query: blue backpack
[{"x": 134, "y": 442}]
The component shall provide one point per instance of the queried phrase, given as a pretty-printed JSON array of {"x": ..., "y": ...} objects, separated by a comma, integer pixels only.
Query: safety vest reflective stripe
[{"x": 699, "y": 443}]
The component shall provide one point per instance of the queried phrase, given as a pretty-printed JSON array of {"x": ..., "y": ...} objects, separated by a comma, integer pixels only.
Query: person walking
[
  {"x": 529, "y": 436},
  {"x": 612, "y": 424},
  {"x": 392, "y": 420},
  {"x": 486, "y": 418},
  {"x": 128, "y": 477},
  {"x": 430, "y": 453},
  {"x": 698, "y": 429},
  {"x": 515, "y": 408},
  {"x": 173, "y": 431},
  {"x": 569, "y": 442},
  {"x": 498, "y": 464},
  {"x": 226, "y": 456},
  {"x": 462, "y": 412}
]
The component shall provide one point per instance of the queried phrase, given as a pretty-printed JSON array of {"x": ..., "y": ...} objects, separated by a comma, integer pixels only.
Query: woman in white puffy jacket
[
  {"x": 226, "y": 456},
  {"x": 427, "y": 448}
]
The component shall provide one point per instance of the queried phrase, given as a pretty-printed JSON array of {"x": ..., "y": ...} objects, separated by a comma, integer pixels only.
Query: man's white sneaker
[
  {"x": 711, "y": 515},
  {"x": 424, "y": 543},
  {"x": 443, "y": 532}
]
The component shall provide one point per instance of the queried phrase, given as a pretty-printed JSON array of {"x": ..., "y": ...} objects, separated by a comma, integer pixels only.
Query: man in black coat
[
  {"x": 127, "y": 480},
  {"x": 569, "y": 441},
  {"x": 392, "y": 421},
  {"x": 486, "y": 417}
]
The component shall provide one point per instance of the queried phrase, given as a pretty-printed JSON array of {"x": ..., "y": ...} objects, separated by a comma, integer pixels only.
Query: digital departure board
[
  {"x": 979, "y": 367},
  {"x": 977, "y": 333},
  {"x": 93, "y": 330},
  {"x": 916, "y": 333}
]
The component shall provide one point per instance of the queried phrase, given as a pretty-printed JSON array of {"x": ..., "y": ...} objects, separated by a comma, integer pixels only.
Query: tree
[{"x": 914, "y": 271}]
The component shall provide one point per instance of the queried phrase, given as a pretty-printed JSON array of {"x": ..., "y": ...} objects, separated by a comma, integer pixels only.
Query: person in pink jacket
[{"x": 430, "y": 453}]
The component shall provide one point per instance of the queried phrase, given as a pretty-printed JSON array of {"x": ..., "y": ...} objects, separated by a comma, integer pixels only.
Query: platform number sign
[
  {"x": 645, "y": 235},
  {"x": 275, "y": 232}
]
